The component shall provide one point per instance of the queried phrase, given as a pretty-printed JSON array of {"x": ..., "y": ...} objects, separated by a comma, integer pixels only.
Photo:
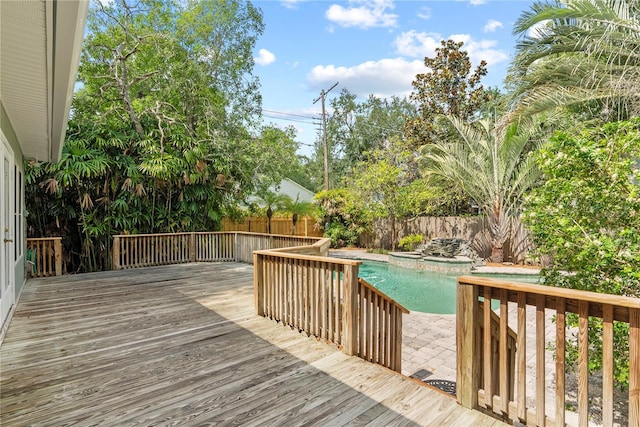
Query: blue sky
[{"x": 369, "y": 47}]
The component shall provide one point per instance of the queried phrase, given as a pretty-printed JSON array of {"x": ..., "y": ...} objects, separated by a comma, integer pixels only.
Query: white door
[{"x": 7, "y": 285}]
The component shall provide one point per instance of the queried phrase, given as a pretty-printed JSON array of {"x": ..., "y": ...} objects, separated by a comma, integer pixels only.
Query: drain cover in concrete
[{"x": 446, "y": 386}]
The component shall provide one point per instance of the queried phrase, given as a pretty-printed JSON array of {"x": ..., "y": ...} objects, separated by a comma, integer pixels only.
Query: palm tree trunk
[{"x": 499, "y": 232}]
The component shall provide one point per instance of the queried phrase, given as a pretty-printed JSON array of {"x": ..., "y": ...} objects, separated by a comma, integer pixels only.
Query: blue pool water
[{"x": 418, "y": 290}]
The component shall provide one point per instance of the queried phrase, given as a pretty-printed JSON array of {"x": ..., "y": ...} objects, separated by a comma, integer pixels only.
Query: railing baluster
[
  {"x": 560, "y": 357},
  {"x": 505, "y": 363},
  {"x": 607, "y": 365},
  {"x": 583, "y": 363},
  {"x": 634, "y": 367},
  {"x": 540, "y": 361},
  {"x": 488, "y": 350},
  {"x": 522, "y": 356}
]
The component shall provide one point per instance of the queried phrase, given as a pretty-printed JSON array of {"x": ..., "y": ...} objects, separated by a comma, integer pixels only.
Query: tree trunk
[
  {"x": 294, "y": 219},
  {"x": 499, "y": 226},
  {"x": 126, "y": 97},
  {"x": 497, "y": 254}
]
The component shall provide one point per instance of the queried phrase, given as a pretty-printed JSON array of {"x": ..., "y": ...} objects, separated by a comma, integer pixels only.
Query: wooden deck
[{"x": 180, "y": 345}]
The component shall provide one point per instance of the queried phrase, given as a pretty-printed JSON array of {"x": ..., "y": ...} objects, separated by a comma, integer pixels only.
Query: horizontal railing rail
[
  {"x": 324, "y": 298},
  {"x": 145, "y": 250},
  {"x": 477, "y": 382},
  {"x": 44, "y": 256}
]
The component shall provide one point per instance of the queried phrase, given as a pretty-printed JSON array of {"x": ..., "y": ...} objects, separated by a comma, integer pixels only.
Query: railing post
[
  {"x": 258, "y": 284},
  {"x": 350, "y": 310},
  {"x": 116, "y": 253},
  {"x": 192, "y": 247},
  {"x": 57, "y": 253},
  {"x": 468, "y": 359}
]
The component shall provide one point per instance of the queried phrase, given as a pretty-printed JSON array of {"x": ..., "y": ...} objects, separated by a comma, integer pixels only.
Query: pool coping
[{"x": 363, "y": 255}]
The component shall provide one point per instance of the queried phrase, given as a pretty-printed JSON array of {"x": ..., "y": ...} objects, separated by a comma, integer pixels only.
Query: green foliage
[
  {"x": 296, "y": 209},
  {"x": 341, "y": 235},
  {"x": 161, "y": 138},
  {"x": 355, "y": 129},
  {"x": 411, "y": 242},
  {"x": 587, "y": 217},
  {"x": 389, "y": 185},
  {"x": 582, "y": 54},
  {"x": 343, "y": 215}
]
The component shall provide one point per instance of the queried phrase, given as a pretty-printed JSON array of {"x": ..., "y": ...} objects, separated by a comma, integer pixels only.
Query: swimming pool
[{"x": 419, "y": 290}]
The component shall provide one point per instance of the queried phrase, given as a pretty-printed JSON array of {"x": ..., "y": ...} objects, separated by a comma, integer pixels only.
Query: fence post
[
  {"x": 258, "y": 283},
  {"x": 350, "y": 310},
  {"x": 116, "y": 253},
  {"x": 192, "y": 247},
  {"x": 57, "y": 253},
  {"x": 467, "y": 345}
]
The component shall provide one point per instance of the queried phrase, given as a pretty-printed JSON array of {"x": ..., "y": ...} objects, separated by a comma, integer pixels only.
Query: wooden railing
[
  {"x": 477, "y": 382},
  {"x": 294, "y": 283},
  {"x": 145, "y": 250},
  {"x": 379, "y": 327},
  {"x": 324, "y": 297},
  {"x": 44, "y": 256}
]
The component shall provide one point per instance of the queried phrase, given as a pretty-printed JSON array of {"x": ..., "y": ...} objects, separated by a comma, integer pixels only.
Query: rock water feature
[{"x": 443, "y": 255}]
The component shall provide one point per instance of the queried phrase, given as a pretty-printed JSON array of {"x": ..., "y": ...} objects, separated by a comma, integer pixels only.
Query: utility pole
[{"x": 323, "y": 93}]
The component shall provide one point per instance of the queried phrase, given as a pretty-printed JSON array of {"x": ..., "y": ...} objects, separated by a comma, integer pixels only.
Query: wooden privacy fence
[
  {"x": 474, "y": 229},
  {"x": 145, "y": 250},
  {"x": 478, "y": 384},
  {"x": 44, "y": 256},
  {"x": 306, "y": 226},
  {"x": 324, "y": 297}
]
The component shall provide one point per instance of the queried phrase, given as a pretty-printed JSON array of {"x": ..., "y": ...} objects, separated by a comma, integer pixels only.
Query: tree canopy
[
  {"x": 582, "y": 53},
  {"x": 163, "y": 134},
  {"x": 449, "y": 87}
]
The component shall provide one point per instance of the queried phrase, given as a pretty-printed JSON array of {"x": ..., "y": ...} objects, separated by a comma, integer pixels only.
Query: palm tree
[
  {"x": 273, "y": 202},
  {"x": 579, "y": 52},
  {"x": 491, "y": 165},
  {"x": 297, "y": 209}
]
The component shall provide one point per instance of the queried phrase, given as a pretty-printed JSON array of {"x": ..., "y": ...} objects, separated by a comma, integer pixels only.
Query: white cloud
[
  {"x": 382, "y": 78},
  {"x": 492, "y": 25},
  {"x": 424, "y": 13},
  {"x": 477, "y": 2},
  {"x": 419, "y": 45},
  {"x": 290, "y": 4},
  {"x": 363, "y": 14},
  {"x": 264, "y": 57}
]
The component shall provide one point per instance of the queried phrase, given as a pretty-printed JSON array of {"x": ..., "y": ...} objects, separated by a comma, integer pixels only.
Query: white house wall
[{"x": 15, "y": 176}]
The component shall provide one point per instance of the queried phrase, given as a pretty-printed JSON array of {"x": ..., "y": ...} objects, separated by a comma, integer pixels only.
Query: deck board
[{"x": 180, "y": 345}]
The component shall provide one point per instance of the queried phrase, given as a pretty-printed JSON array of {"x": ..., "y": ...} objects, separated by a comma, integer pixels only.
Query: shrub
[
  {"x": 586, "y": 216},
  {"x": 341, "y": 235},
  {"x": 411, "y": 242}
]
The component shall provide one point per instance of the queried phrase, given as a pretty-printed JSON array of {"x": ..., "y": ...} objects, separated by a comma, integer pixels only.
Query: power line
[
  {"x": 288, "y": 120},
  {"x": 289, "y": 114}
]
